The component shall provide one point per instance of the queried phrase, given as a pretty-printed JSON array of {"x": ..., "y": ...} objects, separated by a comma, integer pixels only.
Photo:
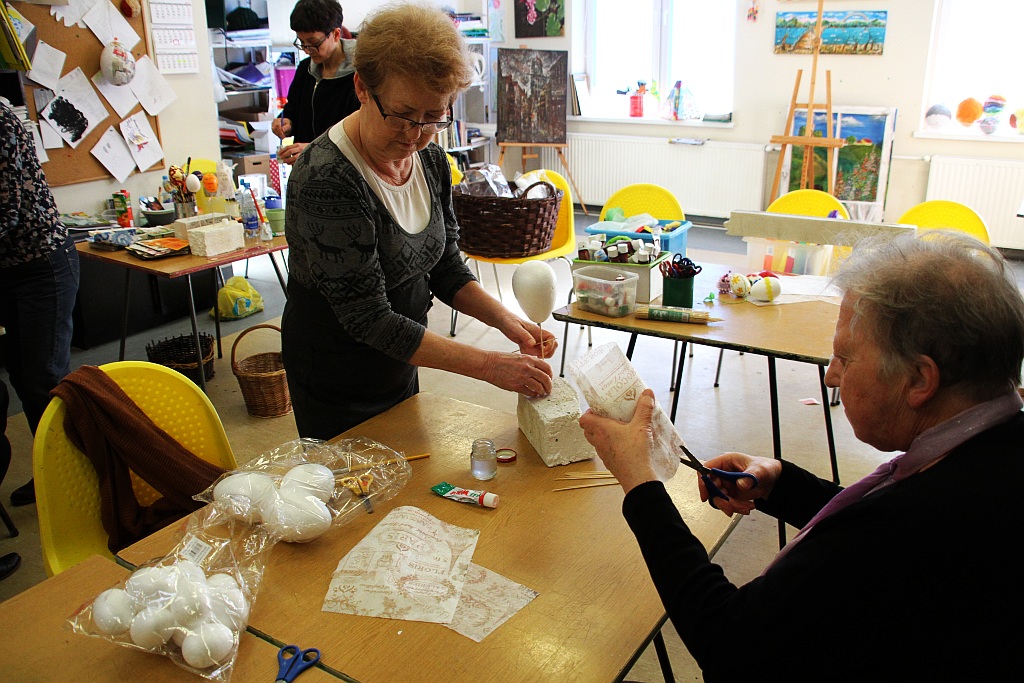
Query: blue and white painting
[{"x": 842, "y": 33}]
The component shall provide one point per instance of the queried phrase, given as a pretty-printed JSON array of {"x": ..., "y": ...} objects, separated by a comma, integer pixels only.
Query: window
[
  {"x": 975, "y": 53},
  {"x": 659, "y": 42}
]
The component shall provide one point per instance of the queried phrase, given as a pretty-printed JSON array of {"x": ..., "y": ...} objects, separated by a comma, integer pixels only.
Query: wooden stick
[
  {"x": 587, "y": 486},
  {"x": 586, "y": 475},
  {"x": 366, "y": 466},
  {"x": 674, "y": 315}
]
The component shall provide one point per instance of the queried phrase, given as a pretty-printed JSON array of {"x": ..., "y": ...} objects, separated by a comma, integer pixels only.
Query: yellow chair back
[
  {"x": 938, "y": 214},
  {"x": 645, "y": 198},
  {"x": 67, "y": 487},
  {"x": 808, "y": 202}
]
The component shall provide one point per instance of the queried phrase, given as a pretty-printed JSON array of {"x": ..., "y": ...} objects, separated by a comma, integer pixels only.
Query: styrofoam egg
[
  {"x": 229, "y": 606},
  {"x": 534, "y": 286},
  {"x": 152, "y": 627},
  {"x": 192, "y": 600},
  {"x": 766, "y": 289},
  {"x": 245, "y": 493},
  {"x": 216, "y": 582},
  {"x": 739, "y": 284},
  {"x": 190, "y": 569},
  {"x": 150, "y": 586},
  {"x": 112, "y": 611},
  {"x": 298, "y": 517},
  {"x": 311, "y": 478},
  {"x": 193, "y": 183},
  {"x": 207, "y": 645}
]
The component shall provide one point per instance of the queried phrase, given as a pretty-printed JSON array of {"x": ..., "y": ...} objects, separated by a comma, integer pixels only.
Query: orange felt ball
[{"x": 969, "y": 111}]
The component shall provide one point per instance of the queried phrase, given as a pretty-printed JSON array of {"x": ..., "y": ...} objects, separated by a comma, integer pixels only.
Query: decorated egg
[
  {"x": 938, "y": 116},
  {"x": 207, "y": 645},
  {"x": 534, "y": 286},
  {"x": 112, "y": 611},
  {"x": 210, "y": 184},
  {"x": 725, "y": 283},
  {"x": 245, "y": 493},
  {"x": 152, "y": 627},
  {"x": 298, "y": 517},
  {"x": 739, "y": 285},
  {"x": 969, "y": 111},
  {"x": 766, "y": 289},
  {"x": 311, "y": 478},
  {"x": 117, "y": 63},
  {"x": 177, "y": 176}
]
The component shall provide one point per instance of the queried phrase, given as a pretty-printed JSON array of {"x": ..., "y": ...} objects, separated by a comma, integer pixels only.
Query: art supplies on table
[
  {"x": 674, "y": 314},
  {"x": 160, "y": 247}
]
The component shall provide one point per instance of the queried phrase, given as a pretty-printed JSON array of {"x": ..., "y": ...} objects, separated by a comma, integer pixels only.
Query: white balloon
[{"x": 534, "y": 287}]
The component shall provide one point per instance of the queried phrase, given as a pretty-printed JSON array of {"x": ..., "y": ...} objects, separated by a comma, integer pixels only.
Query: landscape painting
[
  {"x": 531, "y": 92},
  {"x": 842, "y": 33}
]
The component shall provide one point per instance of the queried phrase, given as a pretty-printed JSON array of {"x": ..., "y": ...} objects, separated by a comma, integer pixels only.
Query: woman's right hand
[
  {"x": 527, "y": 375},
  {"x": 742, "y": 493},
  {"x": 281, "y": 127}
]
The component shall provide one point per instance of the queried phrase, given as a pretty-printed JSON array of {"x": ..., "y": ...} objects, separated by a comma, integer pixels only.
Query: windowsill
[
  {"x": 968, "y": 137},
  {"x": 654, "y": 120}
]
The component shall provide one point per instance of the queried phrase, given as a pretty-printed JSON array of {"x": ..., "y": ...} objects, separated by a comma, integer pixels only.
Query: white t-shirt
[{"x": 408, "y": 204}]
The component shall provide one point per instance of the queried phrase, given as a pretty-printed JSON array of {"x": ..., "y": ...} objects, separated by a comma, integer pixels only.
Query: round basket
[
  {"x": 507, "y": 227},
  {"x": 179, "y": 353},
  {"x": 262, "y": 379}
]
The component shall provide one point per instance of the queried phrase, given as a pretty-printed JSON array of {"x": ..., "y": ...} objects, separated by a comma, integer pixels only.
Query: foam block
[
  {"x": 551, "y": 424},
  {"x": 183, "y": 225},
  {"x": 219, "y": 238}
]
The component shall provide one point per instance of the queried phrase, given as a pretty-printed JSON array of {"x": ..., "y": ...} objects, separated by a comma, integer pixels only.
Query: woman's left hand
[
  {"x": 518, "y": 372},
  {"x": 533, "y": 340}
]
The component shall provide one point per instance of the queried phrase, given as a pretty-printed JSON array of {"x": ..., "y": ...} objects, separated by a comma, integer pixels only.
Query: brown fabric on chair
[{"x": 112, "y": 431}]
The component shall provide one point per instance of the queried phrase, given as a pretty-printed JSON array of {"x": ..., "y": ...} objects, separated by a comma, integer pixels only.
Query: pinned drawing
[
  {"x": 532, "y": 87},
  {"x": 842, "y": 33}
]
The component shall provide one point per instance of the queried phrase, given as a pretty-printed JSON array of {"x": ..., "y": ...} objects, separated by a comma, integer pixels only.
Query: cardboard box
[
  {"x": 649, "y": 279},
  {"x": 249, "y": 114},
  {"x": 252, "y": 163}
]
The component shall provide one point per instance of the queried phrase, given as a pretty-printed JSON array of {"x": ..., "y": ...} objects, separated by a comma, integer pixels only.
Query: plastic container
[
  {"x": 276, "y": 218},
  {"x": 674, "y": 241},
  {"x": 605, "y": 291},
  {"x": 797, "y": 258}
]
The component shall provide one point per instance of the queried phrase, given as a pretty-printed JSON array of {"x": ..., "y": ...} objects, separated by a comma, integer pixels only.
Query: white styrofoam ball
[
  {"x": 152, "y": 627},
  {"x": 533, "y": 283},
  {"x": 766, "y": 289},
  {"x": 150, "y": 586},
  {"x": 310, "y": 478},
  {"x": 298, "y": 517},
  {"x": 229, "y": 607},
  {"x": 221, "y": 581},
  {"x": 208, "y": 645},
  {"x": 245, "y": 493},
  {"x": 192, "y": 600},
  {"x": 190, "y": 569},
  {"x": 112, "y": 611}
]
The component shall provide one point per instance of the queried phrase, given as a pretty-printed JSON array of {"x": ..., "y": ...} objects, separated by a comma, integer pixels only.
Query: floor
[{"x": 734, "y": 416}]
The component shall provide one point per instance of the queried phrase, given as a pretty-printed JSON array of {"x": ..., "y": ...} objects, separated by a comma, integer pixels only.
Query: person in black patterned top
[
  {"x": 38, "y": 279},
  {"x": 373, "y": 239}
]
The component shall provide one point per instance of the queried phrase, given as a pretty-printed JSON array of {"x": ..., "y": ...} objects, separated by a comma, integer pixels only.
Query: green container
[
  {"x": 276, "y": 218},
  {"x": 677, "y": 291}
]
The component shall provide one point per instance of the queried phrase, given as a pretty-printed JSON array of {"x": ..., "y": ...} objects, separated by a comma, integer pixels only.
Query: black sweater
[{"x": 314, "y": 106}]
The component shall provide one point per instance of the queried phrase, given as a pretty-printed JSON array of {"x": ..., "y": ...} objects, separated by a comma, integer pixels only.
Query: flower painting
[{"x": 540, "y": 18}]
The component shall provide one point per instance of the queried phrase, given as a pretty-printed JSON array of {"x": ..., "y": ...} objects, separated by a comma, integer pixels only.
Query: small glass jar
[{"x": 483, "y": 460}]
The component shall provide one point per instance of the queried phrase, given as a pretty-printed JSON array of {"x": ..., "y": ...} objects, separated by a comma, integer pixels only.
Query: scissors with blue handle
[
  {"x": 706, "y": 473},
  {"x": 294, "y": 661}
]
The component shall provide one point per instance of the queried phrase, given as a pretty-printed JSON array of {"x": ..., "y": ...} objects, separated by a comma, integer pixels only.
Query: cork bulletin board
[{"x": 69, "y": 165}]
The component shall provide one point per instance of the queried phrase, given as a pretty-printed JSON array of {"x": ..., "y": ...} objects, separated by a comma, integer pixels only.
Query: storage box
[
  {"x": 252, "y": 163},
  {"x": 649, "y": 280},
  {"x": 605, "y": 291},
  {"x": 796, "y": 258},
  {"x": 674, "y": 241}
]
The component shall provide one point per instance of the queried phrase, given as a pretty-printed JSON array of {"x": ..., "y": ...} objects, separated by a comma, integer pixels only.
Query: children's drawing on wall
[
  {"x": 861, "y": 167},
  {"x": 842, "y": 33},
  {"x": 496, "y": 22},
  {"x": 540, "y": 18},
  {"x": 532, "y": 87}
]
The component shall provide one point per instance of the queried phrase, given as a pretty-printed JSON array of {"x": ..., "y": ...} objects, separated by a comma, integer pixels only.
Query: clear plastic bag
[
  {"x": 193, "y": 604},
  {"x": 486, "y": 181},
  {"x": 299, "y": 489}
]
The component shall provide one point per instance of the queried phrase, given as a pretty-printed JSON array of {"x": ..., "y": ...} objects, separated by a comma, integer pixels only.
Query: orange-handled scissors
[{"x": 361, "y": 487}]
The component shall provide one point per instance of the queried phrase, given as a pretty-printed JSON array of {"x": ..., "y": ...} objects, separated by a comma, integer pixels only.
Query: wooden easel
[
  {"x": 807, "y": 141},
  {"x": 529, "y": 154}
]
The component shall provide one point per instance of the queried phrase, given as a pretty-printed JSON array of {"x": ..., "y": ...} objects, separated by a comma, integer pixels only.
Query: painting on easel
[
  {"x": 861, "y": 167},
  {"x": 532, "y": 86},
  {"x": 842, "y": 33}
]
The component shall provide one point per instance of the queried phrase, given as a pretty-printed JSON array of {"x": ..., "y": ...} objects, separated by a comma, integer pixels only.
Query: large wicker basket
[
  {"x": 179, "y": 353},
  {"x": 262, "y": 380},
  {"x": 507, "y": 227}
]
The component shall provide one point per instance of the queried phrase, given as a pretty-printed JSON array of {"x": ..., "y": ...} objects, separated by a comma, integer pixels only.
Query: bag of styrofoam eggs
[
  {"x": 299, "y": 489},
  {"x": 192, "y": 605}
]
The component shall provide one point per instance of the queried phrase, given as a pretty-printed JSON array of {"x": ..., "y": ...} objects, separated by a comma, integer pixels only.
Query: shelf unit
[
  {"x": 234, "y": 48},
  {"x": 472, "y": 109}
]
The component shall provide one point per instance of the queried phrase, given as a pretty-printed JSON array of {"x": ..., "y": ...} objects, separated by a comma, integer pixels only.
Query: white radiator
[
  {"x": 992, "y": 187},
  {"x": 711, "y": 179}
]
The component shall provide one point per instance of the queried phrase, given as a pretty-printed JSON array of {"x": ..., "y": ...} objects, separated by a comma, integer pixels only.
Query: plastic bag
[
  {"x": 238, "y": 299},
  {"x": 612, "y": 388},
  {"x": 486, "y": 181},
  {"x": 300, "y": 489},
  {"x": 523, "y": 181},
  {"x": 192, "y": 605}
]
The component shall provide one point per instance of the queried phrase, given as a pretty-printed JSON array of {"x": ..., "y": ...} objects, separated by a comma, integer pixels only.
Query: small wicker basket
[
  {"x": 262, "y": 380},
  {"x": 179, "y": 353},
  {"x": 507, "y": 227}
]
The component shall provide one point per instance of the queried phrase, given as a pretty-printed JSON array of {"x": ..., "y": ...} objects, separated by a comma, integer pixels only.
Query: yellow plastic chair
[
  {"x": 645, "y": 198},
  {"x": 808, "y": 203},
  {"x": 563, "y": 241},
  {"x": 936, "y": 214},
  {"x": 67, "y": 487}
]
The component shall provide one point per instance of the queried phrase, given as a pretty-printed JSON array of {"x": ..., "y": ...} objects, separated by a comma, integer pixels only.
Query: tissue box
[
  {"x": 183, "y": 225},
  {"x": 551, "y": 424},
  {"x": 218, "y": 238}
]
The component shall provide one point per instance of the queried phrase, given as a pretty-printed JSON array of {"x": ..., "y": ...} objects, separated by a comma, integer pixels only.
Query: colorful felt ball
[
  {"x": 938, "y": 116},
  {"x": 994, "y": 104},
  {"x": 969, "y": 111},
  {"x": 1017, "y": 121},
  {"x": 989, "y": 124}
]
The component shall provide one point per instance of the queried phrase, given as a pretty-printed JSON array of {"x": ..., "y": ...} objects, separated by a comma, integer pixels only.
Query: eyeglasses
[
  {"x": 309, "y": 47},
  {"x": 400, "y": 123}
]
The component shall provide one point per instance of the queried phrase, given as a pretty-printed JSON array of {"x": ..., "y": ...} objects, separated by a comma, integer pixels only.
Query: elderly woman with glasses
[
  {"x": 373, "y": 239},
  {"x": 322, "y": 92}
]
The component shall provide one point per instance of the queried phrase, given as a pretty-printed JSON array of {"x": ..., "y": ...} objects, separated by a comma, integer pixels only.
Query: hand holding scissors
[
  {"x": 292, "y": 661},
  {"x": 706, "y": 473}
]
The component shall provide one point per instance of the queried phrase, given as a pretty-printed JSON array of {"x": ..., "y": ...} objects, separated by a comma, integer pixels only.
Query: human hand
[
  {"x": 742, "y": 492},
  {"x": 625, "y": 447},
  {"x": 520, "y": 373},
  {"x": 529, "y": 344},
  {"x": 289, "y": 153},
  {"x": 281, "y": 127}
]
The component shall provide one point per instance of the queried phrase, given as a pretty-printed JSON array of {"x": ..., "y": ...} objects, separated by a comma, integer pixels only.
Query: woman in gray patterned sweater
[{"x": 373, "y": 239}]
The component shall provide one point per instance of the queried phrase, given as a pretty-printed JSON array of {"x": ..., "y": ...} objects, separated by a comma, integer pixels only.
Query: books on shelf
[{"x": 579, "y": 100}]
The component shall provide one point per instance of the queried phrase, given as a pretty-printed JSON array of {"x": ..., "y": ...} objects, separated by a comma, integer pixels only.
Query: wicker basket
[
  {"x": 507, "y": 227},
  {"x": 179, "y": 353},
  {"x": 262, "y": 380}
]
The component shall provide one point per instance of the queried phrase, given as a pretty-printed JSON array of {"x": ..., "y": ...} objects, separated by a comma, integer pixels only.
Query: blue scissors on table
[
  {"x": 294, "y": 661},
  {"x": 706, "y": 473}
]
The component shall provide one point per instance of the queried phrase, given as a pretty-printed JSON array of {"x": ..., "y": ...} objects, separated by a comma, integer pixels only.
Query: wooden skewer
[
  {"x": 366, "y": 466},
  {"x": 587, "y": 486},
  {"x": 674, "y": 315},
  {"x": 584, "y": 475}
]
